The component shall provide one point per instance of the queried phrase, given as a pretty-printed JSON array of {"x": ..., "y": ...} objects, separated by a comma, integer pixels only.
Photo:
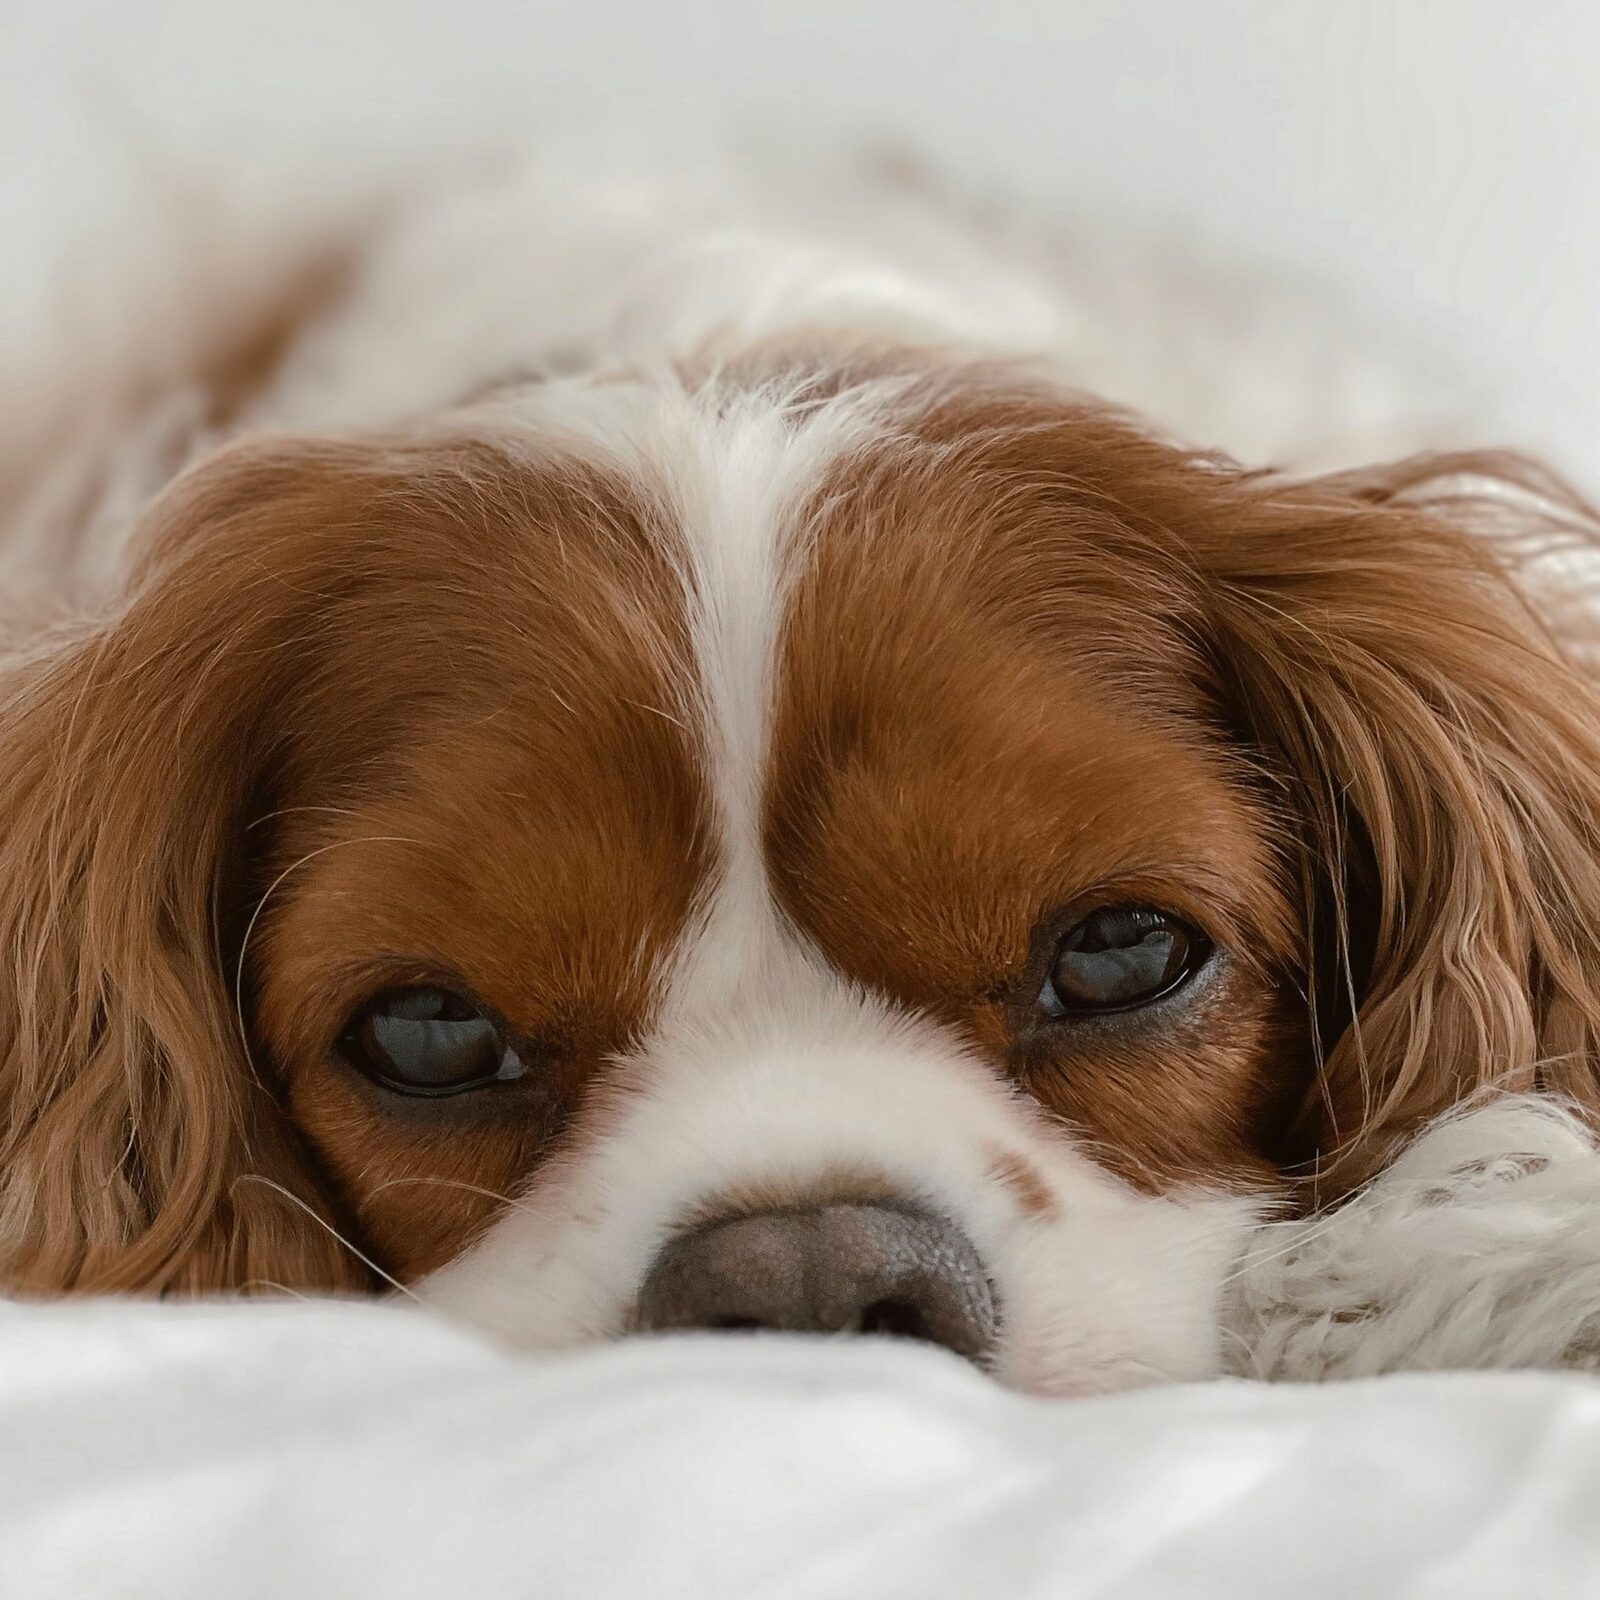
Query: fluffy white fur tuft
[{"x": 1478, "y": 1247}]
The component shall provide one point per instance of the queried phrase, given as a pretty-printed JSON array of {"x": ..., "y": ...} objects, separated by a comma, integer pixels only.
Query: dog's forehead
[{"x": 800, "y": 647}]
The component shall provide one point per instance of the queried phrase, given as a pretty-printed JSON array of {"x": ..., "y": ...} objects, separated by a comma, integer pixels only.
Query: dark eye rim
[
  {"x": 348, "y": 1047},
  {"x": 1205, "y": 955}
]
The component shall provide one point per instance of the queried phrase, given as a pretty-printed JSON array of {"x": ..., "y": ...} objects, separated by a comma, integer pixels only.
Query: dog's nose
[{"x": 827, "y": 1269}]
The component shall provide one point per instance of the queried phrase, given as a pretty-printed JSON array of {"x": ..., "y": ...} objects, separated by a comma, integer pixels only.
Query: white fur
[
  {"x": 1478, "y": 1247},
  {"x": 561, "y": 264},
  {"x": 798, "y": 1079},
  {"x": 557, "y": 262}
]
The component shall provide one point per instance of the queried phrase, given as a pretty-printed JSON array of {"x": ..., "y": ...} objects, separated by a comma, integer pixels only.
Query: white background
[{"x": 1436, "y": 161}]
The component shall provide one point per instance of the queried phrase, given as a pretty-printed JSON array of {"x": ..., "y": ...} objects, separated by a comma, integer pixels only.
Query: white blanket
[{"x": 229, "y": 1451}]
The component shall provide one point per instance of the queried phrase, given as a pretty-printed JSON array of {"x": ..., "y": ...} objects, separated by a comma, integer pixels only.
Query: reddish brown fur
[
  {"x": 320, "y": 642},
  {"x": 385, "y": 712},
  {"x": 1022, "y": 1178}
]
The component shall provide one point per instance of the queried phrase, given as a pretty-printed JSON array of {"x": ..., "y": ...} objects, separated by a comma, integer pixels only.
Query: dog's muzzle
[{"x": 826, "y": 1269}]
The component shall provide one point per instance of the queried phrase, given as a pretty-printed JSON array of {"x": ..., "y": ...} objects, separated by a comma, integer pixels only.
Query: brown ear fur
[
  {"x": 1439, "y": 753},
  {"x": 133, "y": 1128}
]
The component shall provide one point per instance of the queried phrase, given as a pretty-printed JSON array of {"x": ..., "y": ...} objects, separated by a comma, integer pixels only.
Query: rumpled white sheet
[{"x": 310, "y": 1450}]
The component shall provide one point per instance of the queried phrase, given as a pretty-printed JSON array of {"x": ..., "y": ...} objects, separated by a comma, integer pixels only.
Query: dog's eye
[
  {"x": 429, "y": 1041},
  {"x": 1120, "y": 957}
]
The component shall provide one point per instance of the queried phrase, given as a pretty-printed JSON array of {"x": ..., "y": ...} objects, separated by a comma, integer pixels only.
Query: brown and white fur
[{"x": 722, "y": 636}]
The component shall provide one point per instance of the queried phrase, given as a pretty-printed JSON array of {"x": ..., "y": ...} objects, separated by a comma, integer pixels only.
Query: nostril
[{"x": 897, "y": 1319}]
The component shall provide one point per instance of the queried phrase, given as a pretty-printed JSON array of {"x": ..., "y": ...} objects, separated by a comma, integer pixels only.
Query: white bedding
[{"x": 311, "y": 1450}]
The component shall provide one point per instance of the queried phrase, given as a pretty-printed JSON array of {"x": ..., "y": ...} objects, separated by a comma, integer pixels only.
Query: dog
[{"x": 616, "y": 759}]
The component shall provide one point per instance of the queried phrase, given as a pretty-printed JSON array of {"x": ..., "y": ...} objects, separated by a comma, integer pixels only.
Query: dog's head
[{"x": 909, "y": 851}]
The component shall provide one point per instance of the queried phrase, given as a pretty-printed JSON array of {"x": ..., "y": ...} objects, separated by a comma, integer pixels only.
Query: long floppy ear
[
  {"x": 134, "y": 1131},
  {"x": 1437, "y": 752}
]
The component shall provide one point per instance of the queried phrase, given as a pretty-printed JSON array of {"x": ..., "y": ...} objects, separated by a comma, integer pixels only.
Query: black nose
[{"x": 828, "y": 1269}]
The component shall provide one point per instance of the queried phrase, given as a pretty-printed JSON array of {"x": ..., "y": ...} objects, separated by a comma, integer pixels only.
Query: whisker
[
  {"x": 1252, "y": 1356},
  {"x": 456, "y": 1183},
  {"x": 328, "y": 1227},
  {"x": 284, "y": 811},
  {"x": 278, "y": 1288},
  {"x": 1252, "y": 1261},
  {"x": 261, "y": 904}
]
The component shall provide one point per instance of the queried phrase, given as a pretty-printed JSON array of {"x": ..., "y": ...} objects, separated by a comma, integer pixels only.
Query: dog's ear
[
  {"x": 1436, "y": 750},
  {"x": 140, "y": 1146}
]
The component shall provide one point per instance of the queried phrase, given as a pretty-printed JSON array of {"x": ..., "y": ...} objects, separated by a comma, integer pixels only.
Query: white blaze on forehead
[{"x": 740, "y": 484}]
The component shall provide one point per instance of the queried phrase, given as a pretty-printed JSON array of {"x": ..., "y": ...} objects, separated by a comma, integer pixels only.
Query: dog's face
[
  {"x": 858, "y": 859},
  {"x": 786, "y": 823}
]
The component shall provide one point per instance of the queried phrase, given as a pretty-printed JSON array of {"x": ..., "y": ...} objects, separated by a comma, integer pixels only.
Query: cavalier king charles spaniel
[{"x": 620, "y": 763}]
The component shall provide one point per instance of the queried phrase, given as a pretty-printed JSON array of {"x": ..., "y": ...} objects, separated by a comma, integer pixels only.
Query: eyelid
[
  {"x": 356, "y": 983},
  {"x": 1259, "y": 936},
  {"x": 1136, "y": 891}
]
